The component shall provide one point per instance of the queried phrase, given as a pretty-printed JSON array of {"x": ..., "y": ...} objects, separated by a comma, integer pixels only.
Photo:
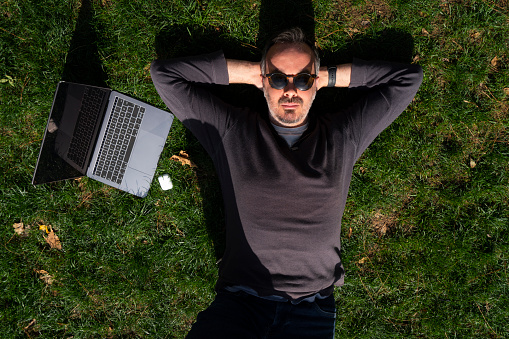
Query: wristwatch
[{"x": 332, "y": 76}]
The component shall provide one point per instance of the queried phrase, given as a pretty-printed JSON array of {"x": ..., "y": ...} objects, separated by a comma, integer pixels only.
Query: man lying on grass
[{"x": 284, "y": 174}]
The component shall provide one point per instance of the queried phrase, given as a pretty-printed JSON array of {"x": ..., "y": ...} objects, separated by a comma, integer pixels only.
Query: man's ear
[{"x": 260, "y": 86}]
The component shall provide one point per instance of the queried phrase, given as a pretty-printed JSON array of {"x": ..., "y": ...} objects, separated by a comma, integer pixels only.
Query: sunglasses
[{"x": 302, "y": 81}]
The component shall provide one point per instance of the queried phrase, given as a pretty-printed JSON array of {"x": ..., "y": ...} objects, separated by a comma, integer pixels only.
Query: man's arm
[
  {"x": 343, "y": 75},
  {"x": 388, "y": 88},
  {"x": 247, "y": 72},
  {"x": 182, "y": 84},
  {"x": 244, "y": 72}
]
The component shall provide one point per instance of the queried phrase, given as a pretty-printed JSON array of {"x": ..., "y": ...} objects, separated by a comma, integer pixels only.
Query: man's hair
[{"x": 291, "y": 36}]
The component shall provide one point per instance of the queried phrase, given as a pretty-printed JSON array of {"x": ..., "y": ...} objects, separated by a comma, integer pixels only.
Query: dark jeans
[{"x": 242, "y": 316}]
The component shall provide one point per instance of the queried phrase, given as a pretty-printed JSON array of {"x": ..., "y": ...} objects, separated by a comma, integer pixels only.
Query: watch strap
[{"x": 332, "y": 76}]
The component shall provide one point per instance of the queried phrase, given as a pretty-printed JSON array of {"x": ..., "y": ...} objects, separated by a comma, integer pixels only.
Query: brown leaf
[
  {"x": 495, "y": 62},
  {"x": 506, "y": 91},
  {"x": 19, "y": 228},
  {"x": 475, "y": 35},
  {"x": 45, "y": 276},
  {"x": 363, "y": 260},
  {"x": 52, "y": 240},
  {"x": 183, "y": 157}
]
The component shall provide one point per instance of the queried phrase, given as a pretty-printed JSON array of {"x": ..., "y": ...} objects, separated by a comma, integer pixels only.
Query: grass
[{"x": 425, "y": 232}]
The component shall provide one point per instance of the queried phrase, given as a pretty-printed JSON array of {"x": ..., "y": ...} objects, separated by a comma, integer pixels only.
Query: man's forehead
[
  {"x": 279, "y": 48},
  {"x": 290, "y": 53}
]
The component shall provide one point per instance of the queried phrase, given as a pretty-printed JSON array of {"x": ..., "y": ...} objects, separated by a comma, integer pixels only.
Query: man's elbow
[
  {"x": 419, "y": 75},
  {"x": 155, "y": 73}
]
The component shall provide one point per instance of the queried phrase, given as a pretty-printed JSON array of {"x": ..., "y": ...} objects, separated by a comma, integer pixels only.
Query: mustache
[{"x": 294, "y": 100}]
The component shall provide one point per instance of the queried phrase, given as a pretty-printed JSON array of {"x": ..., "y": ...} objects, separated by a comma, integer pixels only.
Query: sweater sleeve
[
  {"x": 390, "y": 87},
  {"x": 184, "y": 84}
]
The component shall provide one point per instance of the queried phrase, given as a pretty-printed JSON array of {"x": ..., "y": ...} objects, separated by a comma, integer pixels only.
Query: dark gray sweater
[{"x": 283, "y": 206}]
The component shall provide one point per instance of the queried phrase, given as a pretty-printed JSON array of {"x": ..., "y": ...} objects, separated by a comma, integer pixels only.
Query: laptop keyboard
[
  {"x": 118, "y": 140},
  {"x": 85, "y": 125}
]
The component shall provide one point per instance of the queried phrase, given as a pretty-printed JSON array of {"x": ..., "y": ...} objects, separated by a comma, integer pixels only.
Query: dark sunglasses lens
[
  {"x": 303, "y": 81},
  {"x": 278, "y": 81}
]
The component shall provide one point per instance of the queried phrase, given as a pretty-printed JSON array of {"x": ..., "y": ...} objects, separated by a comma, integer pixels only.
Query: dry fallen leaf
[
  {"x": 19, "y": 228},
  {"x": 45, "y": 276},
  {"x": 472, "y": 163},
  {"x": 52, "y": 239},
  {"x": 506, "y": 91},
  {"x": 495, "y": 62},
  {"x": 476, "y": 35},
  {"x": 183, "y": 157},
  {"x": 363, "y": 260}
]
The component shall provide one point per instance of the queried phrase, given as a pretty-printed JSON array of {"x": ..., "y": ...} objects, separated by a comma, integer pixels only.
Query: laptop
[{"x": 104, "y": 135}]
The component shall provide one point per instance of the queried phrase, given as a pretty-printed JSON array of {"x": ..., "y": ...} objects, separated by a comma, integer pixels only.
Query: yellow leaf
[{"x": 44, "y": 228}]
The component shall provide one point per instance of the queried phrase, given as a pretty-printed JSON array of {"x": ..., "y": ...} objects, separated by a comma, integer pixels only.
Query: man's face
[{"x": 289, "y": 107}]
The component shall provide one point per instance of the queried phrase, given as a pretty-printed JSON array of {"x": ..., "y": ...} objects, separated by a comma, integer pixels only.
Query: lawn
[{"x": 425, "y": 236}]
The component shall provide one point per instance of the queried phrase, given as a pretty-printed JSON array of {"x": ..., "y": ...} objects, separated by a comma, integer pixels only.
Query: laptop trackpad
[
  {"x": 136, "y": 183},
  {"x": 146, "y": 152}
]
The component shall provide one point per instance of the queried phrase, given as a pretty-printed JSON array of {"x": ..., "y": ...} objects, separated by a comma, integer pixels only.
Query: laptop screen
[{"x": 50, "y": 166}]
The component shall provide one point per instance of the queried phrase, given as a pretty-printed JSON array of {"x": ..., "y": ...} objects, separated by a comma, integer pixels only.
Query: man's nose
[{"x": 290, "y": 89}]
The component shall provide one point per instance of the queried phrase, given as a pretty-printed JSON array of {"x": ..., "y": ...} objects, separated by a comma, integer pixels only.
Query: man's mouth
[{"x": 290, "y": 106}]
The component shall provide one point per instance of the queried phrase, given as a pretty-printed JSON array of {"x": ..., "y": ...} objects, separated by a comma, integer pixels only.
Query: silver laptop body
[{"x": 103, "y": 134}]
